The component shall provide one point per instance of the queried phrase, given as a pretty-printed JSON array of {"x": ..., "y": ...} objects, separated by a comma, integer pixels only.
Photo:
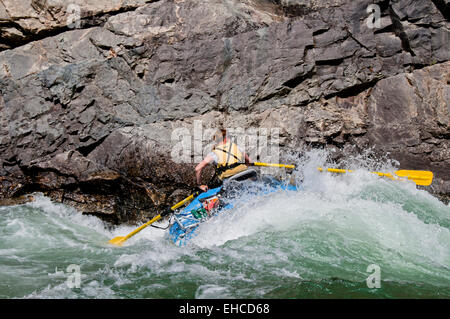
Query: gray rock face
[
  {"x": 27, "y": 20},
  {"x": 96, "y": 104}
]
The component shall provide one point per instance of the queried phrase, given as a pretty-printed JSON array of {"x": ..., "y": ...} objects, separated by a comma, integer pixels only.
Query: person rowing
[{"x": 230, "y": 160}]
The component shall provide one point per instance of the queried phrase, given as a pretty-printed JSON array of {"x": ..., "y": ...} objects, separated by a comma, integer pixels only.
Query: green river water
[{"x": 316, "y": 243}]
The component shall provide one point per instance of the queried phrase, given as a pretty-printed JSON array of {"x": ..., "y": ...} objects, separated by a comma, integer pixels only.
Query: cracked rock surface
[{"x": 87, "y": 112}]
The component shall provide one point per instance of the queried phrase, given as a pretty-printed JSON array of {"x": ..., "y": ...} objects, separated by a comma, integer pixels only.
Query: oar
[
  {"x": 423, "y": 178},
  {"x": 118, "y": 241},
  {"x": 272, "y": 165}
]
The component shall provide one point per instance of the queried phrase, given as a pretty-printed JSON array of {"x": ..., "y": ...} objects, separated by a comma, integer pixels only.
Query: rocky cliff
[{"x": 91, "y": 92}]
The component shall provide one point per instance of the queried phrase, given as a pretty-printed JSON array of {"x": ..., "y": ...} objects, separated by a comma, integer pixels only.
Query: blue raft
[{"x": 186, "y": 222}]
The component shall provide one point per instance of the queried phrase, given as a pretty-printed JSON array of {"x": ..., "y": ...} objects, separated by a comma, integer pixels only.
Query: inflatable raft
[{"x": 185, "y": 223}]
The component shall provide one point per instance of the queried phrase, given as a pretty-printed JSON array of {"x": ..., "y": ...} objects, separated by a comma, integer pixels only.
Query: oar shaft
[
  {"x": 385, "y": 175},
  {"x": 339, "y": 170},
  {"x": 137, "y": 230},
  {"x": 423, "y": 178},
  {"x": 119, "y": 240},
  {"x": 273, "y": 165},
  {"x": 334, "y": 170},
  {"x": 184, "y": 201}
]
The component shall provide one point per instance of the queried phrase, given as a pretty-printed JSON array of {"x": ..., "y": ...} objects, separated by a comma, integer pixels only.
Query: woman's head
[{"x": 220, "y": 135}]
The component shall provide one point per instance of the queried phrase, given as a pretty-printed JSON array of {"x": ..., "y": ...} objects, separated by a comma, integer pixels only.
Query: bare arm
[{"x": 198, "y": 169}]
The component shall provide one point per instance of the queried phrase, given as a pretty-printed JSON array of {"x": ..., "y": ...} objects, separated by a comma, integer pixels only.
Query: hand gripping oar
[
  {"x": 118, "y": 241},
  {"x": 423, "y": 178}
]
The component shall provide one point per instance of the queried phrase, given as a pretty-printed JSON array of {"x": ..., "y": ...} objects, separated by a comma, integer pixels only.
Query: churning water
[{"x": 335, "y": 238}]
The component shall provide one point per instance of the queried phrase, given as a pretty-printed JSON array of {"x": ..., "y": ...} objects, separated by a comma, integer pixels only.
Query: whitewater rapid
[{"x": 314, "y": 243}]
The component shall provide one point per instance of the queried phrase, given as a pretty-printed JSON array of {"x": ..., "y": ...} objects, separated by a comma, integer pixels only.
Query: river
[{"x": 348, "y": 236}]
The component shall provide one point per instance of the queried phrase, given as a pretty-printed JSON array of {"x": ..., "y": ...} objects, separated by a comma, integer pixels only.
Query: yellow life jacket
[{"x": 230, "y": 160}]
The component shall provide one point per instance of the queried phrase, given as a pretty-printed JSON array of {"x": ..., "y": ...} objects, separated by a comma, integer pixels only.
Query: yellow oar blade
[
  {"x": 118, "y": 241},
  {"x": 423, "y": 178}
]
